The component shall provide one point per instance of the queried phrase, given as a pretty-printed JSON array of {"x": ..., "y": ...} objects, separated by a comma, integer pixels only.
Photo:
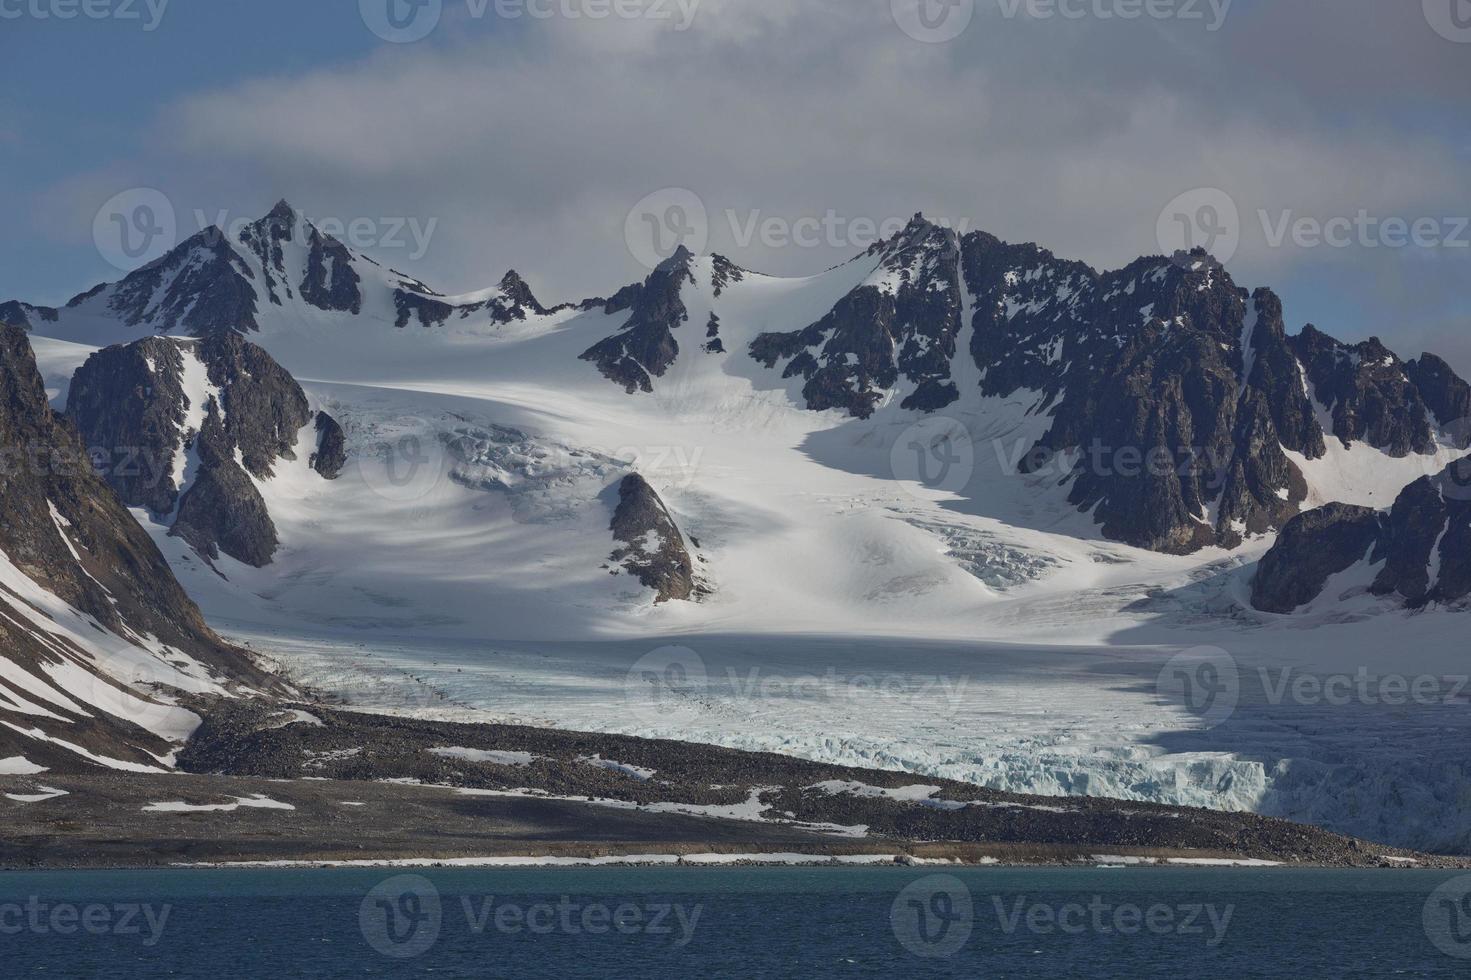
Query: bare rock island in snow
[{"x": 198, "y": 419}]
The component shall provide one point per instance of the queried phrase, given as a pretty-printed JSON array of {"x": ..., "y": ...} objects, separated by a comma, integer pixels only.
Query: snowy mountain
[
  {"x": 99, "y": 646},
  {"x": 950, "y": 456}
]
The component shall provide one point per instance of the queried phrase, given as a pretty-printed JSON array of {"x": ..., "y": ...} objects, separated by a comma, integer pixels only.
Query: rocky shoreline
[{"x": 314, "y": 786}]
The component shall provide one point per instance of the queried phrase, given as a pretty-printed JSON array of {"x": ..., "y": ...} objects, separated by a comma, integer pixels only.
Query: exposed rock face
[
  {"x": 200, "y": 287},
  {"x": 128, "y": 402},
  {"x": 512, "y": 301},
  {"x": 25, "y": 315},
  {"x": 223, "y": 510},
  {"x": 1446, "y": 395},
  {"x": 653, "y": 548},
  {"x": 645, "y": 347},
  {"x": 331, "y": 283},
  {"x": 1422, "y": 546},
  {"x": 902, "y": 323},
  {"x": 331, "y": 454},
  {"x": 68, "y": 534},
  {"x": 1312, "y": 548},
  {"x": 1367, "y": 391},
  {"x": 133, "y": 405}
]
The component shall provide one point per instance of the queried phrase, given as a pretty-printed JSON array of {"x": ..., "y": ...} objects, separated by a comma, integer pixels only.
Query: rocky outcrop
[
  {"x": 652, "y": 547},
  {"x": 1312, "y": 548},
  {"x": 903, "y": 323},
  {"x": 129, "y": 404},
  {"x": 331, "y": 454},
  {"x": 223, "y": 511},
  {"x": 135, "y": 405},
  {"x": 18, "y": 314},
  {"x": 1367, "y": 392},
  {"x": 200, "y": 287},
  {"x": 65, "y": 533},
  {"x": 1421, "y": 547},
  {"x": 645, "y": 348},
  {"x": 1446, "y": 395}
]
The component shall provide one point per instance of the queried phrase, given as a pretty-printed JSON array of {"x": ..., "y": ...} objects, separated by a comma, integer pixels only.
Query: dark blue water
[{"x": 680, "y": 923}]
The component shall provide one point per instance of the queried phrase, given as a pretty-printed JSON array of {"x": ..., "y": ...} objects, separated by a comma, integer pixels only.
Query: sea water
[{"x": 679, "y": 922}]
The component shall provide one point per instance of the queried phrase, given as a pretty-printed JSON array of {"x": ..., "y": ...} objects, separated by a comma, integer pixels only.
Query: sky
[{"x": 1322, "y": 147}]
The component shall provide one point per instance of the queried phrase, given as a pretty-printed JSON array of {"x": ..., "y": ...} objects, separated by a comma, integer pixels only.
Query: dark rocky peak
[
  {"x": 267, "y": 239},
  {"x": 1270, "y": 367},
  {"x": 200, "y": 287},
  {"x": 1367, "y": 392},
  {"x": 1175, "y": 447},
  {"x": 193, "y": 463},
  {"x": 645, "y": 347},
  {"x": 902, "y": 325},
  {"x": 1446, "y": 395},
  {"x": 1029, "y": 311},
  {"x": 519, "y": 295},
  {"x": 652, "y": 546}
]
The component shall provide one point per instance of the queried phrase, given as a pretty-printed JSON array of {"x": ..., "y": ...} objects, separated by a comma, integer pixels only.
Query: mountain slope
[{"x": 97, "y": 639}]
